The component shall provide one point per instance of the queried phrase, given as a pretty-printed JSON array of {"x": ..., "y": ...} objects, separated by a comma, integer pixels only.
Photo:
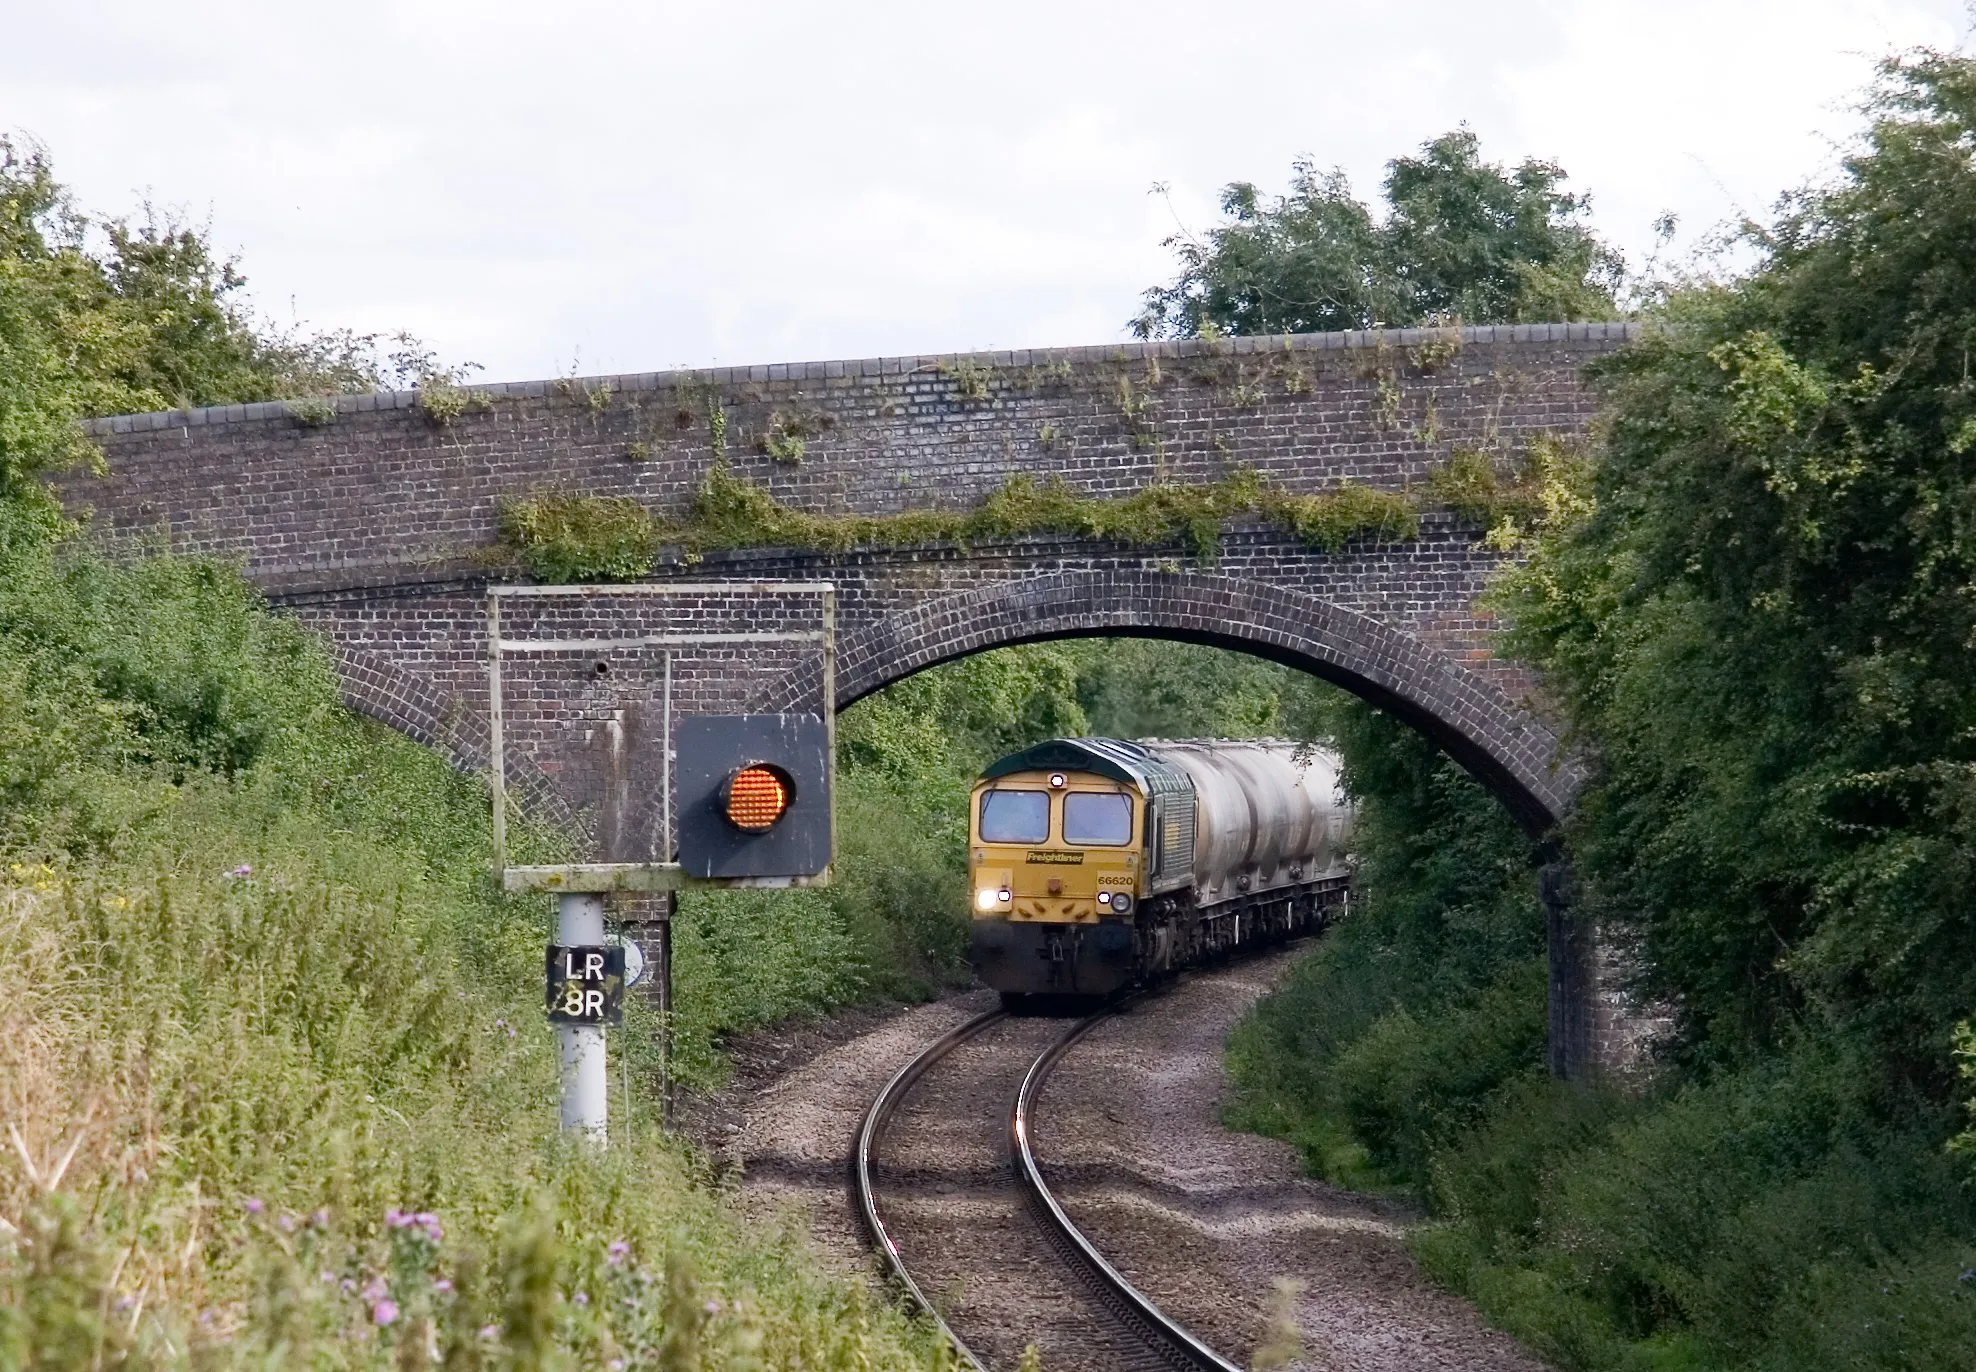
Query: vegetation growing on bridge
[{"x": 563, "y": 536}]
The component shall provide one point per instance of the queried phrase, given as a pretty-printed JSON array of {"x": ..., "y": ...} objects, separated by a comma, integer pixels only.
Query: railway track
[{"x": 1127, "y": 1330}]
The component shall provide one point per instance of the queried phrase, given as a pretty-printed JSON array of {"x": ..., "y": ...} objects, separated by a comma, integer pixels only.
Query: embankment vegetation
[
  {"x": 1751, "y": 603},
  {"x": 275, "y": 1084}
]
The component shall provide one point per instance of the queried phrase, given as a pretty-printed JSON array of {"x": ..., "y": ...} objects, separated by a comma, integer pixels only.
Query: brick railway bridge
[{"x": 377, "y": 524}]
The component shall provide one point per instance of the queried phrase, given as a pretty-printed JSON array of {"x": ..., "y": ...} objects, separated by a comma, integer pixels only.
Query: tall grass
[{"x": 275, "y": 1086}]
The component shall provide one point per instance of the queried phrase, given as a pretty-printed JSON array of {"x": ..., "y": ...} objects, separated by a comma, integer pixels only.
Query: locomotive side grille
[{"x": 1176, "y": 836}]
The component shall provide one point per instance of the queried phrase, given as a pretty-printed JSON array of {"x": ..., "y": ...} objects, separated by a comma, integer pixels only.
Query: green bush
[{"x": 261, "y": 1001}]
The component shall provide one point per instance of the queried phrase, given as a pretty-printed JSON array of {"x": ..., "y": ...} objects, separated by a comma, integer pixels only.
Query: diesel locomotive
[{"x": 1098, "y": 863}]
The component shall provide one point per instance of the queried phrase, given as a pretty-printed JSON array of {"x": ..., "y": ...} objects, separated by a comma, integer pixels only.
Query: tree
[
  {"x": 1462, "y": 240},
  {"x": 150, "y": 319},
  {"x": 1766, "y": 623}
]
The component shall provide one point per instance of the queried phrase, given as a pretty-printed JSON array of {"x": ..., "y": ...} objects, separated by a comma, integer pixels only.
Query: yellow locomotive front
[{"x": 1055, "y": 858}]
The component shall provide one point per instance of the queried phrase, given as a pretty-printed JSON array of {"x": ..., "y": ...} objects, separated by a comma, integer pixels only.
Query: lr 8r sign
[{"x": 586, "y": 984}]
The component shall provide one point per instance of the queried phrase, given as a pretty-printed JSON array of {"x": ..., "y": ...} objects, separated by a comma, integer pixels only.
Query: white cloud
[{"x": 652, "y": 184}]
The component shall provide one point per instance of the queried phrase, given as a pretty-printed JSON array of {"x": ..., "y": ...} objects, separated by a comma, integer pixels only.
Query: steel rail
[
  {"x": 871, "y": 1131},
  {"x": 1125, "y": 1301}
]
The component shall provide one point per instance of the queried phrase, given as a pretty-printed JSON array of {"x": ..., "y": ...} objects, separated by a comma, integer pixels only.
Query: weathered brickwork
[{"x": 376, "y": 525}]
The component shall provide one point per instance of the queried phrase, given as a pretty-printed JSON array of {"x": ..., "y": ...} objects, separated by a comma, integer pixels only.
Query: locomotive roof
[{"x": 1117, "y": 758}]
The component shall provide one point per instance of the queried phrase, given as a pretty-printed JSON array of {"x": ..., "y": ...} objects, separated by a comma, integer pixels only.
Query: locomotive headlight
[
  {"x": 1003, "y": 896},
  {"x": 1120, "y": 902},
  {"x": 1056, "y": 781},
  {"x": 985, "y": 898},
  {"x": 1104, "y": 897}
]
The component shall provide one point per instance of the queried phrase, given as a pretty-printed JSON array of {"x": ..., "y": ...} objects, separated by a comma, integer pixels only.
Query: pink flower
[
  {"x": 253, "y": 1206},
  {"x": 583, "y": 1298},
  {"x": 376, "y": 1290},
  {"x": 490, "y": 1331},
  {"x": 442, "y": 1284},
  {"x": 320, "y": 1219},
  {"x": 243, "y": 870},
  {"x": 384, "y": 1311},
  {"x": 615, "y": 1254},
  {"x": 396, "y": 1218}
]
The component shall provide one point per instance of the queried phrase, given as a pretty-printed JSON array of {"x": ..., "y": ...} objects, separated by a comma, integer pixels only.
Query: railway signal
[
  {"x": 671, "y": 800},
  {"x": 754, "y": 796}
]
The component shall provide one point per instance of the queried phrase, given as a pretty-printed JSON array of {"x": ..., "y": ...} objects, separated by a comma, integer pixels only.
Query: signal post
[{"x": 701, "y": 801}]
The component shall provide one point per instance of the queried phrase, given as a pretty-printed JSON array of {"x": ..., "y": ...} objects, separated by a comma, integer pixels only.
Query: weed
[
  {"x": 970, "y": 380},
  {"x": 442, "y": 399},
  {"x": 1137, "y": 408},
  {"x": 593, "y": 395},
  {"x": 312, "y": 411},
  {"x": 788, "y": 435},
  {"x": 637, "y": 452},
  {"x": 1386, "y": 403},
  {"x": 1048, "y": 437},
  {"x": 564, "y": 537},
  {"x": 1434, "y": 353}
]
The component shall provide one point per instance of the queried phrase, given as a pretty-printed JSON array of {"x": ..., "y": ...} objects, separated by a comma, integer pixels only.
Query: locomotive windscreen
[
  {"x": 1015, "y": 817},
  {"x": 1096, "y": 818}
]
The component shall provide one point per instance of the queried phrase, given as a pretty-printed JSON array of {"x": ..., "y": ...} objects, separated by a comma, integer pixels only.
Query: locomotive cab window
[
  {"x": 1015, "y": 817},
  {"x": 1093, "y": 818}
]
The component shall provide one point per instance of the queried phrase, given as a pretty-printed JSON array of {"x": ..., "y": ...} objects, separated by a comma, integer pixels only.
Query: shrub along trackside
[
  {"x": 272, "y": 1055},
  {"x": 1752, "y": 601},
  {"x": 275, "y": 1085}
]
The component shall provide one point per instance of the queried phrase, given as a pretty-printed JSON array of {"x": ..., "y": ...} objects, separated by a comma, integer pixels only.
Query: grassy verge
[{"x": 274, "y": 1075}]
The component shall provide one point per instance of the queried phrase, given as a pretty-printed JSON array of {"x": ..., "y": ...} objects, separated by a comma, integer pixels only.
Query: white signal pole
[{"x": 586, "y": 1078}]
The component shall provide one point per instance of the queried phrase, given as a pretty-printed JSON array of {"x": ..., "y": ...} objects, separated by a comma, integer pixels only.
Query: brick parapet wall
[{"x": 380, "y": 490}]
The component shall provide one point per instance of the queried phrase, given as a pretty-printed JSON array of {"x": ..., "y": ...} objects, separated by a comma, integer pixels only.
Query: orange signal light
[{"x": 756, "y": 797}]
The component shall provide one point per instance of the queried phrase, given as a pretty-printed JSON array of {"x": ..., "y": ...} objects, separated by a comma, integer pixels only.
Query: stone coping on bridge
[{"x": 1164, "y": 349}]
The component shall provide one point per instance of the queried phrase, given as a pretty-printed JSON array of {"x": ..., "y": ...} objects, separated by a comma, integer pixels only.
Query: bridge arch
[{"x": 1507, "y": 748}]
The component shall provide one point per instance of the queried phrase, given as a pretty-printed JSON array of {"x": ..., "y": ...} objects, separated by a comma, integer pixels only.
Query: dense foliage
[
  {"x": 1461, "y": 240},
  {"x": 1755, "y": 612},
  {"x": 117, "y": 316},
  {"x": 275, "y": 1080}
]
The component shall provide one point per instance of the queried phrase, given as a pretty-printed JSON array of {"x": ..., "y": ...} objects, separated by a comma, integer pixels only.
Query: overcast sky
[{"x": 626, "y": 187}]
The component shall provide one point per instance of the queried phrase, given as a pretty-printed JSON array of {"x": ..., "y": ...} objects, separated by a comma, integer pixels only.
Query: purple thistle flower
[
  {"x": 615, "y": 1254},
  {"x": 384, "y": 1311},
  {"x": 376, "y": 1290},
  {"x": 583, "y": 1298},
  {"x": 442, "y": 1284},
  {"x": 253, "y": 1205},
  {"x": 489, "y": 1331},
  {"x": 243, "y": 870}
]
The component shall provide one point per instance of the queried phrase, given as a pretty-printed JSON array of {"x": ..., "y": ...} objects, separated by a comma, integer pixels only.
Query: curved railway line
[{"x": 1127, "y": 1329}]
